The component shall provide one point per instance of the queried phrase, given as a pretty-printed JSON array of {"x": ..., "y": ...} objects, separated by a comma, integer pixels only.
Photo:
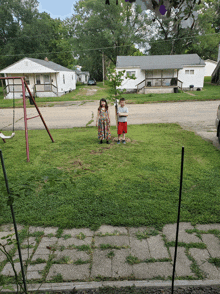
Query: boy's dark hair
[
  {"x": 100, "y": 105},
  {"x": 122, "y": 99}
]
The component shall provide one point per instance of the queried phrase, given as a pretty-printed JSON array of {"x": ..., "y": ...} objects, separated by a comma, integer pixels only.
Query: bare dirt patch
[
  {"x": 91, "y": 92},
  {"x": 77, "y": 163},
  {"x": 127, "y": 140}
]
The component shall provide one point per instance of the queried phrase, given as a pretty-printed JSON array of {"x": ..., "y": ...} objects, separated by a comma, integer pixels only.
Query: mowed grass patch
[
  {"x": 75, "y": 182},
  {"x": 83, "y": 92},
  {"x": 209, "y": 92}
]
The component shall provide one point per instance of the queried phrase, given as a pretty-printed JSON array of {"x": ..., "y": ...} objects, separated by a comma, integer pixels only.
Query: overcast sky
[{"x": 57, "y": 9}]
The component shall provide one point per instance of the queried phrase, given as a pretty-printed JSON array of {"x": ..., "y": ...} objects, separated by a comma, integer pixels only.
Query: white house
[
  {"x": 162, "y": 73},
  {"x": 210, "y": 65},
  {"x": 82, "y": 76},
  {"x": 44, "y": 78}
]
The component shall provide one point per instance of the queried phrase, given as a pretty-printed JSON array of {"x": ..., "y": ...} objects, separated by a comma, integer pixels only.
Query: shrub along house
[
  {"x": 162, "y": 73},
  {"x": 44, "y": 78}
]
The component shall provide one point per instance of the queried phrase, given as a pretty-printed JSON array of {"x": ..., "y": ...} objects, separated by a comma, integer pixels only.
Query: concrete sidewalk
[{"x": 116, "y": 254}]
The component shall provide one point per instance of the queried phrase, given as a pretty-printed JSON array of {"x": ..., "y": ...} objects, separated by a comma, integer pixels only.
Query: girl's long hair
[{"x": 100, "y": 105}]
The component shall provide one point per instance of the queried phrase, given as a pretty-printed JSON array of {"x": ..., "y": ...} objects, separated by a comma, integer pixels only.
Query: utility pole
[{"x": 103, "y": 67}]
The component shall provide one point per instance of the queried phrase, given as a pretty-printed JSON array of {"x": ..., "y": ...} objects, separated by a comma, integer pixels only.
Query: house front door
[
  {"x": 47, "y": 83},
  {"x": 149, "y": 75}
]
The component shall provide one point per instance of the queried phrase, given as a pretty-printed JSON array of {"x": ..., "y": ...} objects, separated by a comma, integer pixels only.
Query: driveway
[{"x": 196, "y": 116}]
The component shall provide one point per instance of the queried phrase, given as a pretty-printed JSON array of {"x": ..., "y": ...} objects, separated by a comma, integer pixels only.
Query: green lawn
[
  {"x": 77, "y": 95},
  {"x": 75, "y": 182},
  {"x": 209, "y": 92}
]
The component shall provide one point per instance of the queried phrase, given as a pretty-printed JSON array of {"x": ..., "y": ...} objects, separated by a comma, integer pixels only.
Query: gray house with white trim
[
  {"x": 44, "y": 78},
  {"x": 162, "y": 73}
]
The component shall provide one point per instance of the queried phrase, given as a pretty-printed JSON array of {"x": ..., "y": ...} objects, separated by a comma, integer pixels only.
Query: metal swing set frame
[{"x": 24, "y": 87}]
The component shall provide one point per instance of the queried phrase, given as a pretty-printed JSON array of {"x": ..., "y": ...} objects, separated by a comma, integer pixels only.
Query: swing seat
[{"x": 6, "y": 137}]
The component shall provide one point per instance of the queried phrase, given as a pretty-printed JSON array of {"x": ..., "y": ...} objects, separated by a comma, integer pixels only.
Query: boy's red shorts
[{"x": 122, "y": 127}]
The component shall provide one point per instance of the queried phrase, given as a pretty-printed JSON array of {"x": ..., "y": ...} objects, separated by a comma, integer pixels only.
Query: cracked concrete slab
[
  {"x": 8, "y": 270},
  {"x": 72, "y": 254},
  {"x": 182, "y": 262},
  {"x": 120, "y": 268},
  {"x": 74, "y": 241},
  {"x": 169, "y": 231},
  {"x": 25, "y": 254},
  {"x": 133, "y": 231},
  {"x": 207, "y": 227},
  {"x": 151, "y": 270},
  {"x": 101, "y": 264},
  {"x": 213, "y": 244},
  {"x": 157, "y": 247},
  {"x": 139, "y": 248},
  {"x": 202, "y": 256},
  {"x": 69, "y": 272},
  {"x": 75, "y": 232},
  {"x": 111, "y": 230},
  {"x": 35, "y": 271},
  {"x": 112, "y": 240}
]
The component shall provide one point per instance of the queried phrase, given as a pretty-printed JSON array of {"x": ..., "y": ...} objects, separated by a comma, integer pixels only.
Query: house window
[
  {"x": 192, "y": 72},
  {"x": 79, "y": 79},
  {"x": 63, "y": 79},
  {"x": 72, "y": 77},
  {"x": 130, "y": 73},
  {"x": 27, "y": 80},
  {"x": 38, "y": 79},
  {"x": 187, "y": 71}
]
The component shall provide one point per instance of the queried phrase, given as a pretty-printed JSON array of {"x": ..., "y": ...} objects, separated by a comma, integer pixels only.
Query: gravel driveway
[{"x": 197, "y": 116}]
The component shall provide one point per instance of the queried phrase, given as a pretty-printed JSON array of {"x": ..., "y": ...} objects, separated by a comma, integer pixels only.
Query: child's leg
[
  {"x": 118, "y": 134},
  {"x": 124, "y": 130}
]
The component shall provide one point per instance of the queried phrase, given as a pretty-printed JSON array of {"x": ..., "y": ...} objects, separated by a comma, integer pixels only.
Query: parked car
[
  {"x": 91, "y": 81},
  {"x": 217, "y": 123}
]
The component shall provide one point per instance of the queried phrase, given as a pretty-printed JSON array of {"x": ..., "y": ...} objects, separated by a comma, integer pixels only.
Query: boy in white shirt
[{"x": 122, "y": 120}]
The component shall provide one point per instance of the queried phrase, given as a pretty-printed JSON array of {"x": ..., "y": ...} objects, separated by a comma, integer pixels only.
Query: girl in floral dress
[{"x": 103, "y": 122}]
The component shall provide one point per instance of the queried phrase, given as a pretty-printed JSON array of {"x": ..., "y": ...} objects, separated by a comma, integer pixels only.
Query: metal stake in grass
[
  {"x": 178, "y": 219},
  {"x": 15, "y": 226}
]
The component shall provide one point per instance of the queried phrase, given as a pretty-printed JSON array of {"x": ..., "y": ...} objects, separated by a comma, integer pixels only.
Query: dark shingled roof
[
  {"x": 159, "y": 61},
  {"x": 50, "y": 64}
]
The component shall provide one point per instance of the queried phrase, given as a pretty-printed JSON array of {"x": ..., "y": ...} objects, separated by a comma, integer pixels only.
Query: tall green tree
[
  {"x": 200, "y": 37},
  {"x": 208, "y": 25},
  {"x": 24, "y": 32},
  {"x": 113, "y": 29},
  {"x": 13, "y": 16}
]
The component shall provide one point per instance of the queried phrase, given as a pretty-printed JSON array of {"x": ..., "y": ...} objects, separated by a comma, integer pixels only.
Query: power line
[{"x": 103, "y": 48}]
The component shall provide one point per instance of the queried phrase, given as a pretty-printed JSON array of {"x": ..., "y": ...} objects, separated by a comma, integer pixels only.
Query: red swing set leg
[{"x": 24, "y": 84}]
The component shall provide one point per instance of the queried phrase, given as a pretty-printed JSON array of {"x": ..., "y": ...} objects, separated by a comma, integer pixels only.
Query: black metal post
[
  {"x": 15, "y": 226},
  {"x": 178, "y": 219}
]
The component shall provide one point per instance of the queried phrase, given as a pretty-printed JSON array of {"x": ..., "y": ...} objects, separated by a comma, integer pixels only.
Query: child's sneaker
[
  {"x": 123, "y": 141},
  {"x": 118, "y": 142}
]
